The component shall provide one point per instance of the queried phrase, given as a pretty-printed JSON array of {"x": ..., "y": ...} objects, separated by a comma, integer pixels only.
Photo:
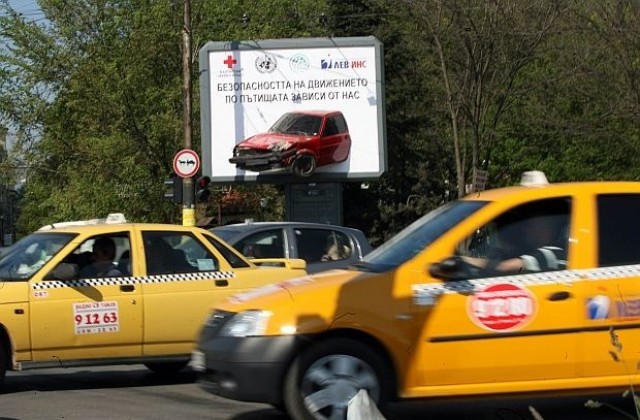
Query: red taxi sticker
[{"x": 502, "y": 307}]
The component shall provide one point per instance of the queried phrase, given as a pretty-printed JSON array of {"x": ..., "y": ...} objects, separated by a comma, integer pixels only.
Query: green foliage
[{"x": 95, "y": 92}]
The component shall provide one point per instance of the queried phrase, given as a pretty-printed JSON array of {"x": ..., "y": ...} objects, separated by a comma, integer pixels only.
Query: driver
[{"x": 528, "y": 246}]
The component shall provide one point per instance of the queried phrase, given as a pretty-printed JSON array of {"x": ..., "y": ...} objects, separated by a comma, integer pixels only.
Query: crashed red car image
[{"x": 300, "y": 140}]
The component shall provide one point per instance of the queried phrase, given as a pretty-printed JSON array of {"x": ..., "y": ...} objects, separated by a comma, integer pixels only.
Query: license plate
[{"x": 197, "y": 361}]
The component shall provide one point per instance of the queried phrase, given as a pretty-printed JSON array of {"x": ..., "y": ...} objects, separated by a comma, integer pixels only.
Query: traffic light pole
[{"x": 188, "y": 207}]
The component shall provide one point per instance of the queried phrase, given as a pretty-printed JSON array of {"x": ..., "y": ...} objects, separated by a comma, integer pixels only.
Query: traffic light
[
  {"x": 202, "y": 189},
  {"x": 173, "y": 189}
]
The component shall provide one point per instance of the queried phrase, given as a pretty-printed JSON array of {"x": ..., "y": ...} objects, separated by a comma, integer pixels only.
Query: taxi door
[
  {"x": 183, "y": 280},
  {"x": 14, "y": 312},
  {"x": 610, "y": 309},
  {"x": 186, "y": 275},
  {"x": 85, "y": 318},
  {"x": 490, "y": 334}
]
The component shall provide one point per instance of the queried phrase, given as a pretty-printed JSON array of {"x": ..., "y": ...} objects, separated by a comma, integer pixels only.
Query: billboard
[{"x": 293, "y": 110}]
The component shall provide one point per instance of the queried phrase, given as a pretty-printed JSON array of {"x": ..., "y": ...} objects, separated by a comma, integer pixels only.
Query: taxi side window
[
  {"x": 618, "y": 229},
  {"x": 102, "y": 256},
  {"x": 176, "y": 252},
  {"x": 536, "y": 233}
]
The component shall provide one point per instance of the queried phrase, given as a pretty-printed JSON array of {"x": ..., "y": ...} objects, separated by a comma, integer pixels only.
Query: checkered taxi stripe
[
  {"x": 567, "y": 277},
  {"x": 117, "y": 281}
]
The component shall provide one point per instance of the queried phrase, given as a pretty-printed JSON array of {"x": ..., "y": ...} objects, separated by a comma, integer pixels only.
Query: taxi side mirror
[{"x": 452, "y": 268}]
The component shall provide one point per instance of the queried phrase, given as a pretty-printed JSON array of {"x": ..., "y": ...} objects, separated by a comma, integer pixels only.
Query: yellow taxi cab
[
  {"x": 60, "y": 305},
  {"x": 473, "y": 299}
]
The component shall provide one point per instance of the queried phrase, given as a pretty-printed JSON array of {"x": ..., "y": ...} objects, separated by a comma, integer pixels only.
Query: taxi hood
[
  {"x": 314, "y": 303},
  {"x": 290, "y": 292}
]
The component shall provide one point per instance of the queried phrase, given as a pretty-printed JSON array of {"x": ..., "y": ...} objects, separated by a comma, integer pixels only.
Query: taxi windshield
[
  {"x": 417, "y": 236},
  {"x": 28, "y": 255}
]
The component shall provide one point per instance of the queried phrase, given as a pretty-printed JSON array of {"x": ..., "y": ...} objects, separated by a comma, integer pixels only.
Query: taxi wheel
[
  {"x": 322, "y": 381},
  {"x": 3, "y": 362},
  {"x": 167, "y": 367}
]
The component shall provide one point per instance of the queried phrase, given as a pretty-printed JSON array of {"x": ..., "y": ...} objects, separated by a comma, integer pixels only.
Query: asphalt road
[{"x": 133, "y": 392}]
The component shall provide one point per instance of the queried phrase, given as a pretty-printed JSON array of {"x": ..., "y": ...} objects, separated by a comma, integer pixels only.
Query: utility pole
[{"x": 188, "y": 207}]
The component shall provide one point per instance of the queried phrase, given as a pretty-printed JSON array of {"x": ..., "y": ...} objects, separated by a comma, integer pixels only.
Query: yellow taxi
[
  {"x": 476, "y": 298},
  {"x": 61, "y": 304}
]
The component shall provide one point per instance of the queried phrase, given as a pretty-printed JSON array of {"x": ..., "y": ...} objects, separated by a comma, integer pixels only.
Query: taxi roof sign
[
  {"x": 112, "y": 218},
  {"x": 534, "y": 179}
]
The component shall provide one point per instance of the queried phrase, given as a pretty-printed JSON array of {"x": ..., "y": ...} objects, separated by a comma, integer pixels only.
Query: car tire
[
  {"x": 331, "y": 373},
  {"x": 166, "y": 367},
  {"x": 304, "y": 166},
  {"x": 3, "y": 362}
]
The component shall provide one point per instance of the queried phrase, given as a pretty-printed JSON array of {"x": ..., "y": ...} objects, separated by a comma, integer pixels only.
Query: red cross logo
[{"x": 230, "y": 61}]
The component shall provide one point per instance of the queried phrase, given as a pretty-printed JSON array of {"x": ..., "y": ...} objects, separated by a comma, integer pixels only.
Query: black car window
[
  {"x": 263, "y": 244},
  {"x": 293, "y": 123},
  {"x": 176, "y": 252},
  {"x": 322, "y": 245},
  {"x": 342, "y": 124},
  {"x": 233, "y": 260},
  {"x": 618, "y": 229},
  {"x": 331, "y": 128}
]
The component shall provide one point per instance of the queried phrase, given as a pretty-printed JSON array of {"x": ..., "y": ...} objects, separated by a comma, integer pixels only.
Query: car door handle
[
  {"x": 127, "y": 288},
  {"x": 562, "y": 295},
  {"x": 222, "y": 283}
]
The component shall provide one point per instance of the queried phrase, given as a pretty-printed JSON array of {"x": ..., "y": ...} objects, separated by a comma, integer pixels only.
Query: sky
[
  {"x": 29, "y": 8},
  {"x": 31, "y": 11}
]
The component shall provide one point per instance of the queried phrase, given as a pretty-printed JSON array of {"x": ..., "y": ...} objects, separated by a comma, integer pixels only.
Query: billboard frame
[{"x": 288, "y": 44}]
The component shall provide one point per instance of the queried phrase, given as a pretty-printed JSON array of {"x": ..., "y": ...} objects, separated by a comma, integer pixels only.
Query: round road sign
[{"x": 186, "y": 163}]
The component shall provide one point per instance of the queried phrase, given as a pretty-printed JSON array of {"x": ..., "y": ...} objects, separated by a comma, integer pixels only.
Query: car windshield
[
  {"x": 293, "y": 123},
  {"x": 417, "y": 236},
  {"x": 25, "y": 257}
]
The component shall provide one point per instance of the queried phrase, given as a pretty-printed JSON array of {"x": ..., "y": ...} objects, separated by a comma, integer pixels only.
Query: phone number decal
[{"x": 96, "y": 317}]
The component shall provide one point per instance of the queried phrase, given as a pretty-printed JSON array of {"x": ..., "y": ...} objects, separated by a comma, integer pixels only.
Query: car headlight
[{"x": 245, "y": 324}]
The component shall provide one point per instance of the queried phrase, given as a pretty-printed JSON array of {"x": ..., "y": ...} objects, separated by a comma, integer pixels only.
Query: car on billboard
[
  {"x": 322, "y": 246},
  {"x": 300, "y": 141}
]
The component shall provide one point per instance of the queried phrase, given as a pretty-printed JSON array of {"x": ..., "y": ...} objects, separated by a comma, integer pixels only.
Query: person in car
[
  {"x": 534, "y": 244},
  {"x": 102, "y": 257},
  {"x": 336, "y": 249},
  {"x": 545, "y": 253}
]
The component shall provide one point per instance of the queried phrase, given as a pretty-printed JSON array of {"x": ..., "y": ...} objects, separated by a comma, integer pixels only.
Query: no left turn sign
[{"x": 186, "y": 163}]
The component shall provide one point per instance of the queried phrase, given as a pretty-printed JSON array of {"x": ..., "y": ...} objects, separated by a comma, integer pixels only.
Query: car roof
[
  {"x": 240, "y": 227},
  {"x": 316, "y": 112},
  {"x": 524, "y": 193},
  {"x": 110, "y": 227}
]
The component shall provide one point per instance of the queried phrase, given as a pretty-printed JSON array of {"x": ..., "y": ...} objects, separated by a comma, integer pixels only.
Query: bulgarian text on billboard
[{"x": 294, "y": 109}]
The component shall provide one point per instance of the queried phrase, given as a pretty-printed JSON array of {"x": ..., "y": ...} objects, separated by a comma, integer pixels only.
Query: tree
[
  {"x": 480, "y": 50},
  {"x": 97, "y": 88}
]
